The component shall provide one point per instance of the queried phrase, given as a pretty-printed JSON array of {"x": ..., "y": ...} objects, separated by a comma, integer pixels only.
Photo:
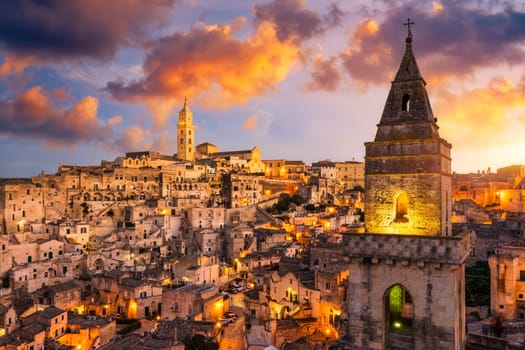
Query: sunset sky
[{"x": 85, "y": 81}]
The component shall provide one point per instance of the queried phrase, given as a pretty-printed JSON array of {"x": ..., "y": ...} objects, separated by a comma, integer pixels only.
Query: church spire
[
  {"x": 408, "y": 69},
  {"x": 407, "y": 113},
  {"x": 185, "y": 107}
]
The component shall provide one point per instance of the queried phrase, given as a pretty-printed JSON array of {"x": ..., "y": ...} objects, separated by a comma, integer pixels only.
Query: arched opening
[
  {"x": 99, "y": 265},
  {"x": 401, "y": 207},
  {"x": 399, "y": 315},
  {"x": 405, "y": 103}
]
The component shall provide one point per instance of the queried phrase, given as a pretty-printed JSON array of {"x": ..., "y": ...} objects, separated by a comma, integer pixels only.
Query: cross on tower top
[{"x": 408, "y": 23}]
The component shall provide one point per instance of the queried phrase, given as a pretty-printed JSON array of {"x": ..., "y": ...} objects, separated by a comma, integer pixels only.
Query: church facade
[{"x": 407, "y": 271}]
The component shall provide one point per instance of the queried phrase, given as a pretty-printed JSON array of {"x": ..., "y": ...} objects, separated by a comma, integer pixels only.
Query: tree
[{"x": 477, "y": 281}]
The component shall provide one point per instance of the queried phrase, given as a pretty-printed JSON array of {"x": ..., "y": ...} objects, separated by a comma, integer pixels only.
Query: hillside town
[{"x": 226, "y": 249}]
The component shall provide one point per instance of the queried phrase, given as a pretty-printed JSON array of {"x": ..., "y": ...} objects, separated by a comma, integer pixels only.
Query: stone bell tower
[
  {"x": 185, "y": 134},
  {"x": 407, "y": 169},
  {"x": 406, "y": 284}
]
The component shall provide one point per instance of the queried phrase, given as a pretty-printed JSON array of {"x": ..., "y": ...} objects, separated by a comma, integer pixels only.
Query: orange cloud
[
  {"x": 132, "y": 139},
  {"x": 160, "y": 110},
  {"x": 211, "y": 64},
  {"x": 365, "y": 59},
  {"x": 13, "y": 65},
  {"x": 437, "y": 7},
  {"x": 164, "y": 142},
  {"x": 325, "y": 75},
  {"x": 61, "y": 94},
  {"x": 33, "y": 114},
  {"x": 293, "y": 20},
  {"x": 250, "y": 123},
  {"x": 482, "y": 118}
]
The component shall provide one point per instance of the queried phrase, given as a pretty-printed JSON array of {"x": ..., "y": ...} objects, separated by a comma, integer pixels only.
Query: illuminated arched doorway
[{"x": 399, "y": 315}]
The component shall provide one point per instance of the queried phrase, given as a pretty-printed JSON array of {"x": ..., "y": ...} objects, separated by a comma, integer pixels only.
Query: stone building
[
  {"x": 206, "y": 217},
  {"x": 292, "y": 294},
  {"x": 513, "y": 199},
  {"x": 350, "y": 173},
  {"x": 406, "y": 282},
  {"x": 20, "y": 204},
  {"x": 507, "y": 282},
  {"x": 238, "y": 241},
  {"x": 285, "y": 169},
  {"x": 251, "y": 158},
  {"x": 242, "y": 190},
  {"x": 198, "y": 302},
  {"x": 54, "y": 319},
  {"x": 46, "y": 272},
  {"x": 8, "y": 319},
  {"x": 65, "y": 296},
  {"x": 88, "y": 332},
  {"x": 26, "y": 336}
]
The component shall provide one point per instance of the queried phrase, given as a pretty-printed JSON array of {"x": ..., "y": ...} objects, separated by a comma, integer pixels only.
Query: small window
[
  {"x": 406, "y": 103},
  {"x": 522, "y": 275}
]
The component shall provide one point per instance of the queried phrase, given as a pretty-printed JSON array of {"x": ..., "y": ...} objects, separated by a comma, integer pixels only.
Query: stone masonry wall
[
  {"x": 424, "y": 208},
  {"x": 437, "y": 298}
]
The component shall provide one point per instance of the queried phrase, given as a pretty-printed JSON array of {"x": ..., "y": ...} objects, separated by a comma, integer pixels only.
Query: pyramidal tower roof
[
  {"x": 407, "y": 113},
  {"x": 186, "y": 107},
  {"x": 408, "y": 69}
]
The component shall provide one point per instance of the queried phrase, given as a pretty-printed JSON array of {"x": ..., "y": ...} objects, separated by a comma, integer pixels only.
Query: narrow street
[{"x": 233, "y": 336}]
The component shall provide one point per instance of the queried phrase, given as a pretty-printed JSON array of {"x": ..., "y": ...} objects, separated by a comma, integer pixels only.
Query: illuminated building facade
[
  {"x": 507, "y": 282},
  {"x": 406, "y": 282}
]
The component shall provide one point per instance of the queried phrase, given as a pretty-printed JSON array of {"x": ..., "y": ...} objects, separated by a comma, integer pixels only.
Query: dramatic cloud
[
  {"x": 325, "y": 75},
  {"x": 210, "y": 63},
  {"x": 250, "y": 123},
  {"x": 33, "y": 114},
  {"x": 480, "y": 118},
  {"x": 132, "y": 139},
  {"x": 160, "y": 109},
  {"x": 293, "y": 20},
  {"x": 449, "y": 40},
  {"x": 13, "y": 66},
  {"x": 56, "y": 29}
]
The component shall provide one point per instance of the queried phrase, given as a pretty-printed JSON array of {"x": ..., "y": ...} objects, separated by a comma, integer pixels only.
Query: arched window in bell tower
[
  {"x": 401, "y": 207},
  {"x": 405, "y": 103}
]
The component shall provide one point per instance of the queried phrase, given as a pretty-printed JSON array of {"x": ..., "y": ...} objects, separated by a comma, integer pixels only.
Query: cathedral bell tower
[
  {"x": 406, "y": 286},
  {"x": 407, "y": 167},
  {"x": 185, "y": 134}
]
